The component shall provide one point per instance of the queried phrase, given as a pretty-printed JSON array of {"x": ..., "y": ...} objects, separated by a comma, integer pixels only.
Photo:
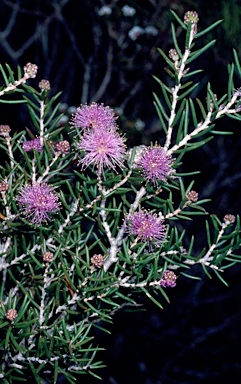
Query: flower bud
[
  {"x": 229, "y": 219},
  {"x": 11, "y": 314},
  {"x": 168, "y": 279},
  {"x": 191, "y": 17},
  {"x": 173, "y": 54},
  {"x": 44, "y": 85},
  {"x": 4, "y": 130},
  {"x": 63, "y": 146},
  {"x": 30, "y": 70},
  {"x": 3, "y": 186},
  {"x": 48, "y": 257},
  {"x": 97, "y": 260},
  {"x": 192, "y": 196}
]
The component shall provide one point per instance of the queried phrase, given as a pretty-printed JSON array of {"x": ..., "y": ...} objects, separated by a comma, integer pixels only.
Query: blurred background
[{"x": 106, "y": 51}]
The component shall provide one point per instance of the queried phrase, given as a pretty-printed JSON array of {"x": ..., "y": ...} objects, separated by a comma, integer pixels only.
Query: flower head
[
  {"x": 97, "y": 260},
  {"x": 11, "y": 314},
  {"x": 173, "y": 54},
  {"x": 44, "y": 85},
  {"x": 63, "y": 146},
  {"x": 48, "y": 257},
  {"x": 30, "y": 70},
  {"x": 168, "y": 279},
  {"x": 4, "y": 130},
  {"x": 104, "y": 148},
  {"x": 38, "y": 201},
  {"x": 3, "y": 186},
  {"x": 191, "y": 17},
  {"x": 229, "y": 219},
  {"x": 146, "y": 225},
  {"x": 94, "y": 116},
  {"x": 32, "y": 144},
  {"x": 156, "y": 164},
  {"x": 192, "y": 196}
]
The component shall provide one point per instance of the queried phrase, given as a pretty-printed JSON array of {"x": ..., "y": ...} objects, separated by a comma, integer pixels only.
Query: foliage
[{"x": 81, "y": 261}]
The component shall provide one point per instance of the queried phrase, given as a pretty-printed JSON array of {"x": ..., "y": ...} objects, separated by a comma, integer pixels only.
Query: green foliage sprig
[{"x": 88, "y": 225}]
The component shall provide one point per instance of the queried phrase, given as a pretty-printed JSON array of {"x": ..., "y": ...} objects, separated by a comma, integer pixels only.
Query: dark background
[{"x": 196, "y": 338}]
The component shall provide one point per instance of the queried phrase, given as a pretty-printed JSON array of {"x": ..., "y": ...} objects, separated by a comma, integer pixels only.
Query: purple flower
[
  {"x": 168, "y": 279},
  {"x": 32, "y": 144},
  {"x": 94, "y": 116},
  {"x": 146, "y": 225},
  {"x": 104, "y": 148},
  {"x": 156, "y": 164},
  {"x": 38, "y": 201}
]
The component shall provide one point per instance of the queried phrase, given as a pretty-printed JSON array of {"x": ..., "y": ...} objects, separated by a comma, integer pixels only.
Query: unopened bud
[
  {"x": 4, "y": 130},
  {"x": 30, "y": 70},
  {"x": 11, "y": 314},
  {"x": 97, "y": 260},
  {"x": 173, "y": 54},
  {"x": 191, "y": 17},
  {"x": 48, "y": 257},
  {"x": 229, "y": 219},
  {"x": 168, "y": 279},
  {"x": 3, "y": 186},
  {"x": 44, "y": 85},
  {"x": 63, "y": 146},
  {"x": 192, "y": 196}
]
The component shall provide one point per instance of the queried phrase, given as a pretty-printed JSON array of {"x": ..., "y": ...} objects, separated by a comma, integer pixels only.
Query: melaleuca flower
[
  {"x": 155, "y": 163},
  {"x": 11, "y": 314},
  {"x": 192, "y": 196},
  {"x": 63, "y": 146},
  {"x": 97, "y": 260},
  {"x": 173, "y": 54},
  {"x": 104, "y": 148},
  {"x": 4, "y": 130},
  {"x": 146, "y": 225},
  {"x": 30, "y": 70},
  {"x": 32, "y": 144},
  {"x": 94, "y": 116},
  {"x": 168, "y": 279},
  {"x": 38, "y": 201},
  {"x": 44, "y": 85},
  {"x": 229, "y": 219},
  {"x": 191, "y": 17},
  {"x": 48, "y": 257},
  {"x": 3, "y": 186}
]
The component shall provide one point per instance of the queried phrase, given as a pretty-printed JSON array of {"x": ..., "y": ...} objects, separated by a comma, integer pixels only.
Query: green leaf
[
  {"x": 230, "y": 80},
  {"x": 175, "y": 40},
  {"x": 178, "y": 19},
  {"x": 208, "y": 29},
  {"x": 200, "y": 51},
  {"x": 168, "y": 61},
  {"x": 237, "y": 63}
]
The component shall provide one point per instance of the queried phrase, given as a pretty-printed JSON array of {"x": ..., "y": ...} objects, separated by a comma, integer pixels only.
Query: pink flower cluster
[
  {"x": 155, "y": 164},
  {"x": 93, "y": 116},
  {"x": 32, "y": 144},
  {"x": 38, "y": 201},
  {"x": 102, "y": 145},
  {"x": 168, "y": 279},
  {"x": 146, "y": 225}
]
